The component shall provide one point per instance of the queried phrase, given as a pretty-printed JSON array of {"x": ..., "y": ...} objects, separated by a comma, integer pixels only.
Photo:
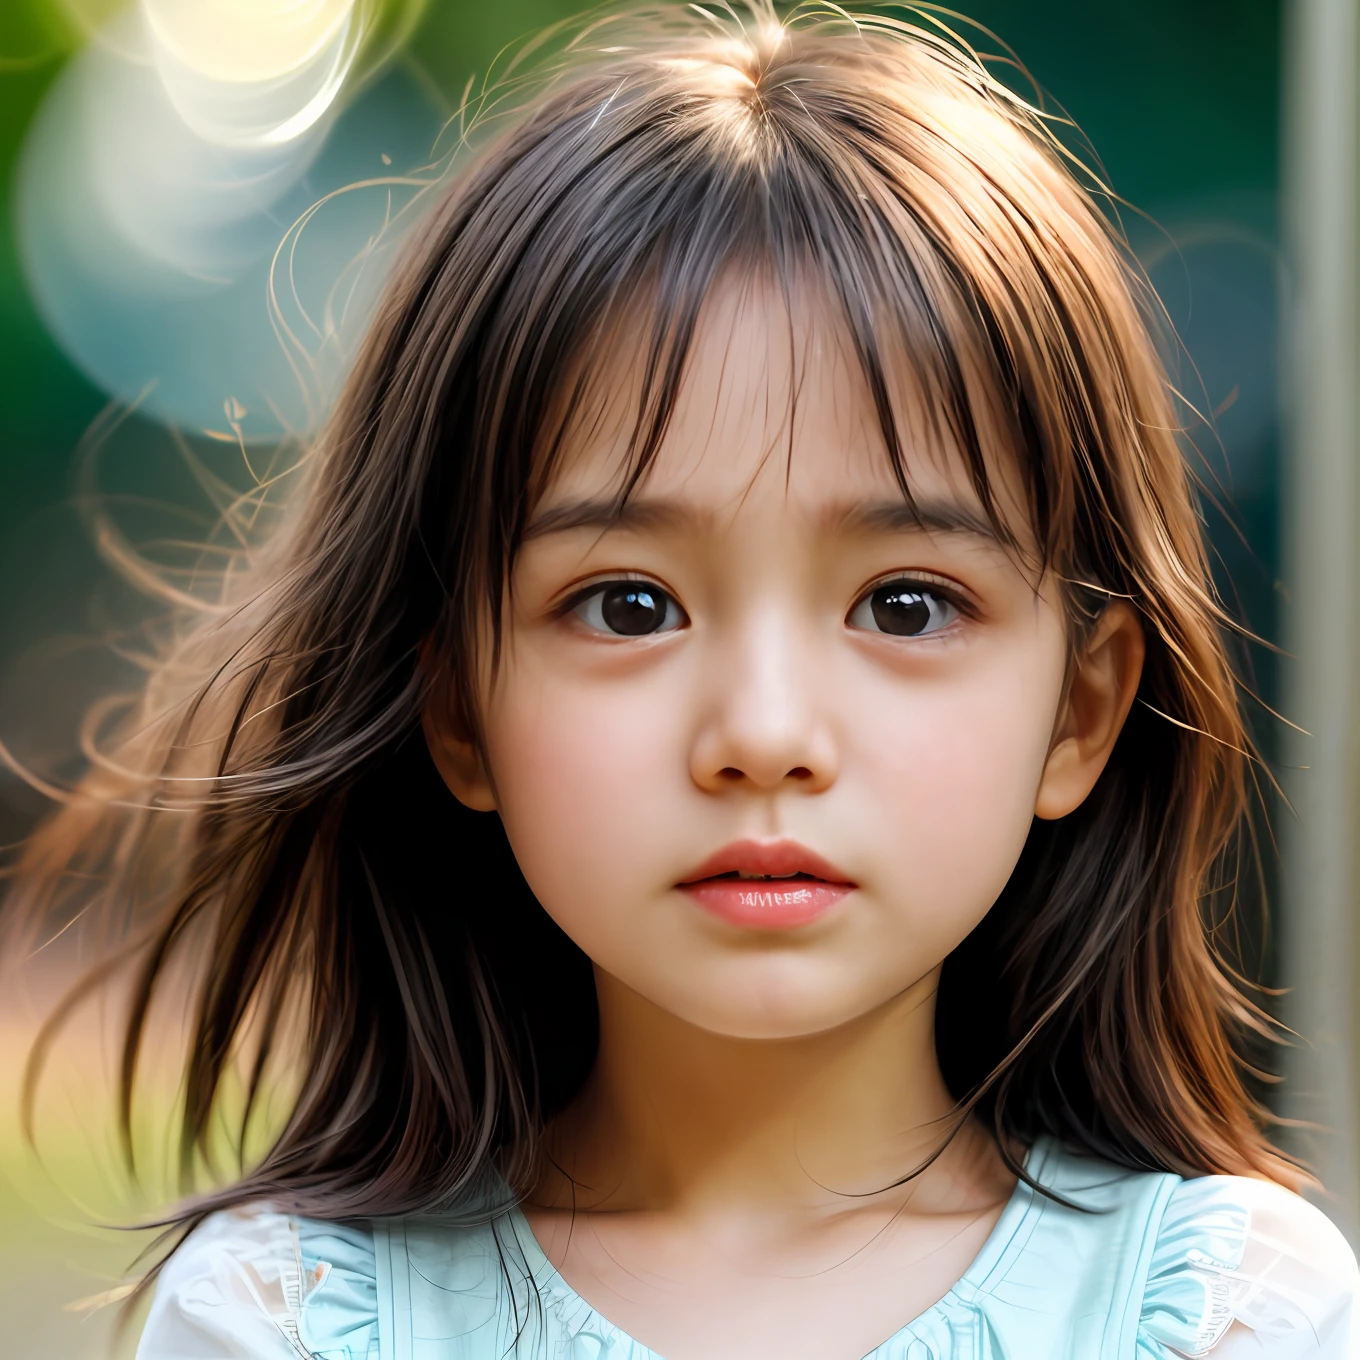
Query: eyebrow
[
  {"x": 606, "y": 512},
  {"x": 940, "y": 515}
]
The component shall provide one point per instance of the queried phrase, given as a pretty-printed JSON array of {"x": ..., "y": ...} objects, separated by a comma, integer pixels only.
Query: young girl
[{"x": 721, "y": 793}]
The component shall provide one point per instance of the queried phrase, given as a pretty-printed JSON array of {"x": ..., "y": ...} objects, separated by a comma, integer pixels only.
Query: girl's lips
[
  {"x": 767, "y": 904},
  {"x": 767, "y": 857},
  {"x": 778, "y": 902}
]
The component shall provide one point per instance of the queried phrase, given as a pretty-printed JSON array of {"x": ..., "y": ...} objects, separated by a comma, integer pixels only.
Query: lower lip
[{"x": 767, "y": 904}]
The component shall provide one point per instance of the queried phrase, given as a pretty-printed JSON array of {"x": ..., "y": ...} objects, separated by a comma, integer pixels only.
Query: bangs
[{"x": 622, "y": 390}]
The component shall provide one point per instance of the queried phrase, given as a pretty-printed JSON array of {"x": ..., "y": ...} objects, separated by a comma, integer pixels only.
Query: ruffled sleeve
[
  {"x": 1243, "y": 1268},
  {"x": 252, "y": 1284}
]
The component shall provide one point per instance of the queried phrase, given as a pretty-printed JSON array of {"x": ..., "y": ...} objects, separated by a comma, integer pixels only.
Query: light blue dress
[{"x": 1149, "y": 1268}]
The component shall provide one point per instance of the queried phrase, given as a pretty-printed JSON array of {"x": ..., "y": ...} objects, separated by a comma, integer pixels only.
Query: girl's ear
[
  {"x": 456, "y": 756},
  {"x": 1099, "y": 696}
]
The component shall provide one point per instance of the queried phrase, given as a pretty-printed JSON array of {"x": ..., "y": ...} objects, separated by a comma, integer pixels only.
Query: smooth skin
[{"x": 759, "y": 1094}]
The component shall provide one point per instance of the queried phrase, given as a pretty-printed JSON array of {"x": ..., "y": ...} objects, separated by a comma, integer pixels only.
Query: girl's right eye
[{"x": 628, "y": 609}]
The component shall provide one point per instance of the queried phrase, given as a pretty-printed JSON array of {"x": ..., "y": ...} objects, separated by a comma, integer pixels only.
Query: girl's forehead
[{"x": 773, "y": 407}]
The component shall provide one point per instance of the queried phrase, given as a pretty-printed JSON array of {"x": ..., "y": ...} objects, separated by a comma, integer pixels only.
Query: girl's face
[{"x": 766, "y": 666}]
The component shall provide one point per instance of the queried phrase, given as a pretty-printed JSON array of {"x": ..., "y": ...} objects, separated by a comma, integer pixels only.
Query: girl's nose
[{"x": 766, "y": 725}]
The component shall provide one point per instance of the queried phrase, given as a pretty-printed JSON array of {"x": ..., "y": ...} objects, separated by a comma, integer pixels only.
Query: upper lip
[{"x": 779, "y": 858}]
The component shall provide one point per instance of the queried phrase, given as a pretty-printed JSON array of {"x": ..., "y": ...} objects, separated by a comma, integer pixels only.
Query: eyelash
[
  {"x": 926, "y": 581},
  {"x": 589, "y": 588}
]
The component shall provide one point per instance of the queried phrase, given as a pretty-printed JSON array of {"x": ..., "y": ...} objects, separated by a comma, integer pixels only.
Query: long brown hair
[{"x": 268, "y": 806}]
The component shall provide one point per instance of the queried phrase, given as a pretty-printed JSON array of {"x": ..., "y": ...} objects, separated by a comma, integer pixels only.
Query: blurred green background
[{"x": 1180, "y": 99}]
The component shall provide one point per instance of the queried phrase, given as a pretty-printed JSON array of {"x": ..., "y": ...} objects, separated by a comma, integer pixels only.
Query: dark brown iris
[
  {"x": 900, "y": 610},
  {"x": 633, "y": 610}
]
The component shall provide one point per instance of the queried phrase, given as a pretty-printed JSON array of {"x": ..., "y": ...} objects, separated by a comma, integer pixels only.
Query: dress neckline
[{"x": 986, "y": 1270}]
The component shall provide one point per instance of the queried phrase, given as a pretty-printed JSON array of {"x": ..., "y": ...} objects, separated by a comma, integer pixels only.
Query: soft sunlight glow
[
  {"x": 252, "y": 72},
  {"x": 726, "y": 71},
  {"x": 773, "y": 34},
  {"x": 246, "y": 40},
  {"x": 167, "y": 165}
]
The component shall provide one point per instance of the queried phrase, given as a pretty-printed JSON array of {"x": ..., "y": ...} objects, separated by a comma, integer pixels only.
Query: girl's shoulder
[
  {"x": 1244, "y": 1267},
  {"x": 1221, "y": 1266},
  {"x": 255, "y": 1284}
]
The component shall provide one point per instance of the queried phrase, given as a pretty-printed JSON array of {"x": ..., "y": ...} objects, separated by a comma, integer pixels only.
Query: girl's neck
[{"x": 681, "y": 1121}]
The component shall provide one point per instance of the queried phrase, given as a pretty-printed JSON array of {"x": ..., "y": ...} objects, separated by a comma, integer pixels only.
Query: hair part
[{"x": 269, "y": 804}]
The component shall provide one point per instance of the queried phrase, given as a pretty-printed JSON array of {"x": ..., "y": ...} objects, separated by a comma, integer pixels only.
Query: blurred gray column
[{"x": 1320, "y": 938}]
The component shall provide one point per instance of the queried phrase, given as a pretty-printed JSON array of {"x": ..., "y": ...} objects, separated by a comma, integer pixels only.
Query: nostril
[{"x": 730, "y": 774}]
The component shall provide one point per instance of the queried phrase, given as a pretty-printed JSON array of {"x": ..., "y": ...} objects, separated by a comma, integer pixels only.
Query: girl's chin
[{"x": 754, "y": 1002}]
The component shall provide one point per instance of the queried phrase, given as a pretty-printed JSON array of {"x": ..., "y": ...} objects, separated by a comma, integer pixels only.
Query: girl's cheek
[
  {"x": 964, "y": 749},
  {"x": 950, "y": 775},
  {"x": 580, "y": 770}
]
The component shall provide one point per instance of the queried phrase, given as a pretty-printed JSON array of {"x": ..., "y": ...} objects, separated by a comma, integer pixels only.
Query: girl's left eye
[
  {"x": 903, "y": 608},
  {"x": 628, "y": 609}
]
